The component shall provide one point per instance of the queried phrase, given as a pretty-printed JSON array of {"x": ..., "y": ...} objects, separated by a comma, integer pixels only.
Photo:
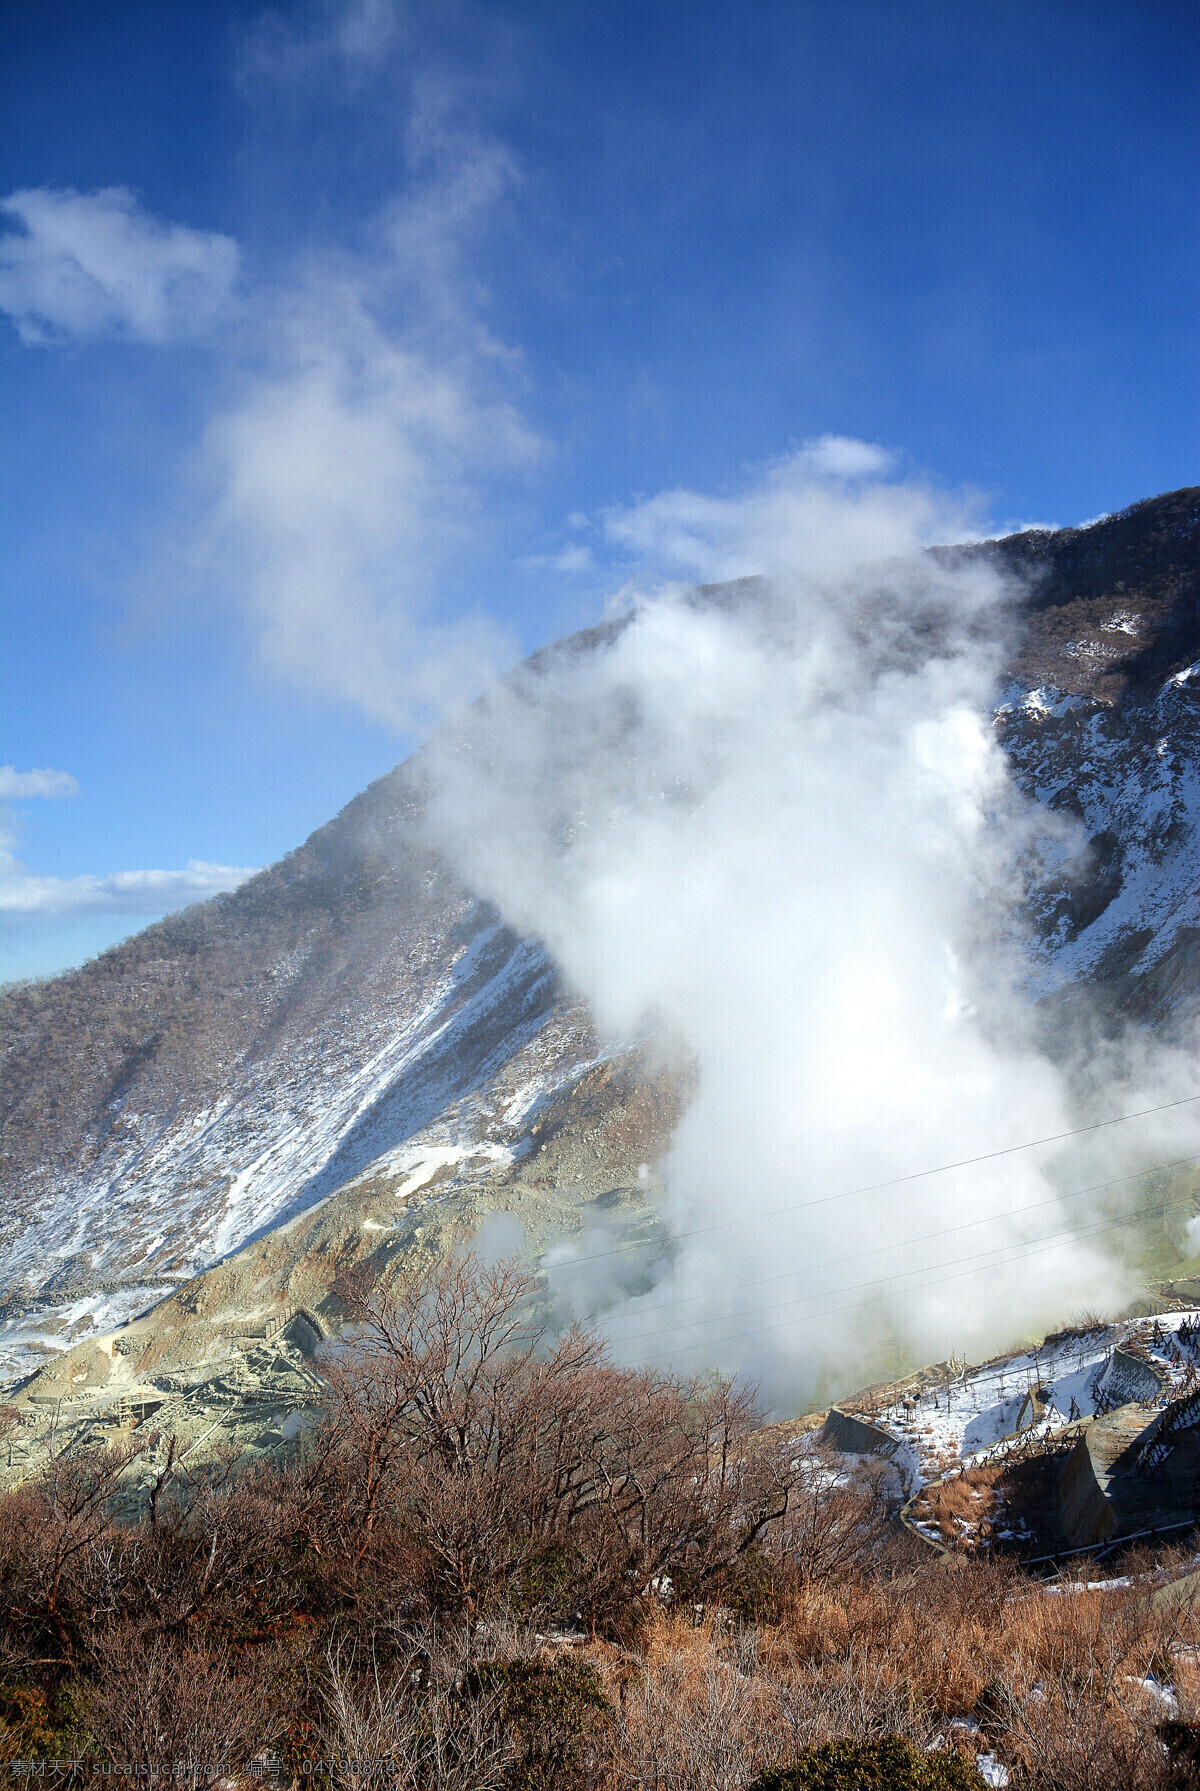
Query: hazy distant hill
[{"x": 238, "y": 1062}]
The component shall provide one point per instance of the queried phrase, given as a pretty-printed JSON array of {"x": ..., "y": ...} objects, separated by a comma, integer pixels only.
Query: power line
[
  {"x": 1019, "y": 1251},
  {"x": 914, "y": 1175},
  {"x": 924, "y": 1238}
]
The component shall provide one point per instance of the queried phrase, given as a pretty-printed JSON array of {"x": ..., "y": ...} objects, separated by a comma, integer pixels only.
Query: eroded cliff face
[{"x": 354, "y": 1018}]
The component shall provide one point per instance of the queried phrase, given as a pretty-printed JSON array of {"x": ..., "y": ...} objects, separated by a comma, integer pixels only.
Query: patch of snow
[
  {"x": 1041, "y": 701},
  {"x": 1068, "y": 1588},
  {"x": 1090, "y": 650},
  {"x": 972, "y": 1417},
  {"x": 1162, "y": 1694}
]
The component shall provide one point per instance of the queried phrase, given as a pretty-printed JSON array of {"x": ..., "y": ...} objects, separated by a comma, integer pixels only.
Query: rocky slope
[
  {"x": 224, "y": 1362},
  {"x": 1101, "y": 721},
  {"x": 354, "y": 1011}
]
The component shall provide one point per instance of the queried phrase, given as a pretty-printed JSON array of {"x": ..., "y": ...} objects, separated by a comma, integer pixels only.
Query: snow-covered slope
[
  {"x": 236, "y": 1064},
  {"x": 1132, "y": 779},
  {"x": 1101, "y": 724}
]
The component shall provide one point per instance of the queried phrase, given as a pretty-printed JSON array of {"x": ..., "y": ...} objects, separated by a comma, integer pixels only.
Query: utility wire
[
  {"x": 924, "y": 1238},
  {"x": 1019, "y": 1252},
  {"x": 914, "y": 1175}
]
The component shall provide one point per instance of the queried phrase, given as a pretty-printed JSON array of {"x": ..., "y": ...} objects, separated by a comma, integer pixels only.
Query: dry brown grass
[
  {"x": 974, "y": 1508},
  {"x": 1053, "y": 1678},
  {"x": 962, "y": 1508}
]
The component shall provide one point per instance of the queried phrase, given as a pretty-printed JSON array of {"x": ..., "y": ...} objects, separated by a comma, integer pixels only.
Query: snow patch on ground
[{"x": 970, "y": 1411}]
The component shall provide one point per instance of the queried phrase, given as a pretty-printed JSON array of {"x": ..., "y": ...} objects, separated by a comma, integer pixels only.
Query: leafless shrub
[
  {"x": 1079, "y": 1736},
  {"x": 149, "y": 1703},
  {"x": 689, "y": 1721},
  {"x": 835, "y": 1521},
  {"x": 411, "y": 1727},
  {"x": 704, "y": 1713},
  {"x": 861, "y": 1698},
  {"x": 54, "y": 1528}
]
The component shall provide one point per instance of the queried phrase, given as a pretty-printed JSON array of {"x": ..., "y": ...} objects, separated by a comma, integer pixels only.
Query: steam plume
[{"x": 773, "y": 830}]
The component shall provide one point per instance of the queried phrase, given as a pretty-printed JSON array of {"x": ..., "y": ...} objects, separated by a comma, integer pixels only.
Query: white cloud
[
  {"x": 25, "y": 892},
  {"x": 18, "y": 786},
  {"x": 351, "y": 473},
  {"x": 123, "y": 892},
  {"x": 822, "y": 511},
  {"x": 574, "y": 559},
  {"x": 356, "y": 35},
  {"x": 843, "y": 457},
  {"x": 367, "y": 30},
  {"x": 93, "y": 265}
]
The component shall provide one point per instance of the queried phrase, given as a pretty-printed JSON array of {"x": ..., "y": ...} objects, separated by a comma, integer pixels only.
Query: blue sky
[{"x": 348, "y": 348}]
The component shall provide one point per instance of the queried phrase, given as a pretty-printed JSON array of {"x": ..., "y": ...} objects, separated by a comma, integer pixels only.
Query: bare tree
[
  {"x": 51, "y": 1527},
  {"x": 837, "y": 1522},
  {"x": 152, "y": 1703},
  {"x": 501, "y": 1450}
]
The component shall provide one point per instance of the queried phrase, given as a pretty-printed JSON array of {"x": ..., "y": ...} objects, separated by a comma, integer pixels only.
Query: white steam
[
  {"x": 818, "y": 512},
  {"x": 776, "y": 833}
]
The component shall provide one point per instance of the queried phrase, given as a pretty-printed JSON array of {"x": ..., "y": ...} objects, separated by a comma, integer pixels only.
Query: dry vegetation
[
  {"x": 994, "y": 1504},
  {"x": 502, "y": 1562}
]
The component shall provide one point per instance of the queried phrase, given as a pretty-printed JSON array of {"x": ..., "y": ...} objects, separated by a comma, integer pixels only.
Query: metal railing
[{"x": 1183, "y": 1413}]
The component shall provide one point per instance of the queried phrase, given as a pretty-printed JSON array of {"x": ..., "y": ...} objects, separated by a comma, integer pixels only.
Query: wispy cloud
[
  {"x": 355, "y": 37},
  {"x": 85, "y": 266},
  {"x": 24, "y": 892},
  {"x": 371, "y": 420},
  {"x": 355, "y": 469},
  {"x": 828, "y": 505},
  {"x": 19, "y": 786},
  {"x": 124, "y": 892}
]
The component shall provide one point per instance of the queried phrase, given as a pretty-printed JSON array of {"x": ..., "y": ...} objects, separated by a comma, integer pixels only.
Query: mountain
[
  {"x": 355, "y": 1022},
  {"x": 1100, "y": 720}
]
